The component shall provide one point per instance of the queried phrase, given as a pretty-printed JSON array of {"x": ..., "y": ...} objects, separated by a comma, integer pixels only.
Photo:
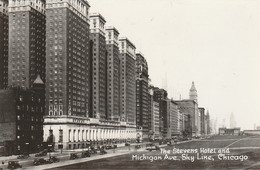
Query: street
[
  {"x": 243, "y": 147},
  {"x": 236, "y": 152},
  {"x": 64, "y": 157}
]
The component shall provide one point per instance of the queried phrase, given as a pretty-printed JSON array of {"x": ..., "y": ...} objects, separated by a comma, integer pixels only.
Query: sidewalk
[
  {"x": 121, "y": 149},
  {"x": 57, "y": 153},
  {"x": 110, "y": 153}
]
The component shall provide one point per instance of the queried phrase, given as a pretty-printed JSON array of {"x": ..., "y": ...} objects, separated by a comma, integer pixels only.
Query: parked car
[
  {"x": 42, "y": 153},
  {"x": 108, "y": 147},
  {"x": 40, "y": 161},
  {"x": 197, "y": 137},
  {"x": 13, "y": 165},
  {"x": 85, "y": 154},
  {"x": 137, "y": 146},
  {"x": 24, "y": 156},
  {"x": 184, "y": 138},
  {"x": 113, "y": 146},
  {"x": 103, "y": 151},
  {"x": 93, "y": 150},
  {"x": 54, "y": 159},
  {"x": 152, "y": 147},
  {"x": 73, "y": 156}
]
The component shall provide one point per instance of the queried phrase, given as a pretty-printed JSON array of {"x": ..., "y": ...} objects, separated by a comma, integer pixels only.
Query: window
[{"x": 60, "y": 135}]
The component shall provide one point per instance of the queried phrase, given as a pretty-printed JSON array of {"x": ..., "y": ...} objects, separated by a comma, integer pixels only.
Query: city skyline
[
  {"x": 144, "y": 81},
  {"x": 207, "y": 42}
]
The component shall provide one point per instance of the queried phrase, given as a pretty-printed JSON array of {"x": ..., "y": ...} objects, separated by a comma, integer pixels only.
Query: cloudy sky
[{"x": 214, "y": 43}]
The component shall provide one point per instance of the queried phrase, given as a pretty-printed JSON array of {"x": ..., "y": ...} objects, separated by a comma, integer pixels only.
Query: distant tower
[
  {"x": 232, "y": 121},
  {"x": 223, "y": 123},
  {"x": 193, "y": 93}
]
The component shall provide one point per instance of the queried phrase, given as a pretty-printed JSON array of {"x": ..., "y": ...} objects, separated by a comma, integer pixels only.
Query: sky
[{"x": 214, "y": 43}]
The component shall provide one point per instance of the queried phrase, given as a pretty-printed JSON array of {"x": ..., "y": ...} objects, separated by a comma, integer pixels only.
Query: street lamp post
[
  {"x": 27, "y": 147},
  {"x": 49, "y": 146}
]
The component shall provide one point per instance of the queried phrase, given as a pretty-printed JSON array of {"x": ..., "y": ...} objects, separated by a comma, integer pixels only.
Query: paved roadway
[
  {"x": 122, "y": 158},
  {"x": 240, "y": 146},
  {"x": 64, "y": 158}
]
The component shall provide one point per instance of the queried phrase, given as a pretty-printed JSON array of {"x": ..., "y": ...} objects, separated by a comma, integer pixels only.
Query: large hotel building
[
  {"x": 67, "y": 58},
  {"x": 127, "y": 80},
  {"x": 99, "y": 67},
  {"x": 76, "y": 85},
  {"x": 3, "y": 43},
  {"x": 113, "y": 74},
  {"x": 142, "y": 94},
  {"x": 26, "y": 42}
]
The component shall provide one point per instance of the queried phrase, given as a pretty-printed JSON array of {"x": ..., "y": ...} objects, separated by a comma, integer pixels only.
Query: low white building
[{"x": 70, "y": 132}]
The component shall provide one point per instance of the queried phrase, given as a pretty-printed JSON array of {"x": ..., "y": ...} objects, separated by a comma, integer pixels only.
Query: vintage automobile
[
  {"x": 137, "y": 146},
  {"x": 53, "y": 159},
  {"x": 42, "y": 153},
  {"x": 85, "y": 154},
  {"x": 24, "y": 156},
  {"x": 13, "y": 165},
  {"x": 152, "y": 146},
  {"x": 112, "y": 146},
  {"x": 40, "y": 161},
  {"x": 103, "y": 151},
  {"x": 93, "y": 150},
  {"x": 109, "y": 147},
  {"x": 127, "y": 144},
  {"x": 73, "y": 156}
]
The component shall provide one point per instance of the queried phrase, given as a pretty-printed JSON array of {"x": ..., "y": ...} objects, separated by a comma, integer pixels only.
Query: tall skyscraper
[
  {"x": 127, "y": 80},
  {"x": 99, "y": 66},
  {"x": 153, "y": 115},
  {"x": 202, "y": 120},
  {"x": 197, "y": 117},
  {"x": 26, "y": 42},
  {"x": 190, "y": 109},
  {"x": 142, "y": 94},
  {"x": 113, "y": 74},
  {"x": 193, "y": 93},
  {"x": 172, "y": 118},
  {"x": 161, "y": 96},
  {"x": 3, "y": 43},
  {"x": 232, "y": 121},
  {"x": 207, "y": 123},
  {"x": 67, "y": 58}
]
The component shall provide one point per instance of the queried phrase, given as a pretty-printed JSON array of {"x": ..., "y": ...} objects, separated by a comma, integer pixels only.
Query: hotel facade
[{"x": 76, "y": 86}]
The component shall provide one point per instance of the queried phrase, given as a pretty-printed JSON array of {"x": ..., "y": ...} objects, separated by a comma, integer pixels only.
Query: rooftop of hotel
[
  {"x": 98, "y": 15},
  {"x": 127, "y": 40}
]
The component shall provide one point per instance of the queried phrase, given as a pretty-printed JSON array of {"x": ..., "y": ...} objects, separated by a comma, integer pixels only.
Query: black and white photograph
[{"x": 129, "y": 84}]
